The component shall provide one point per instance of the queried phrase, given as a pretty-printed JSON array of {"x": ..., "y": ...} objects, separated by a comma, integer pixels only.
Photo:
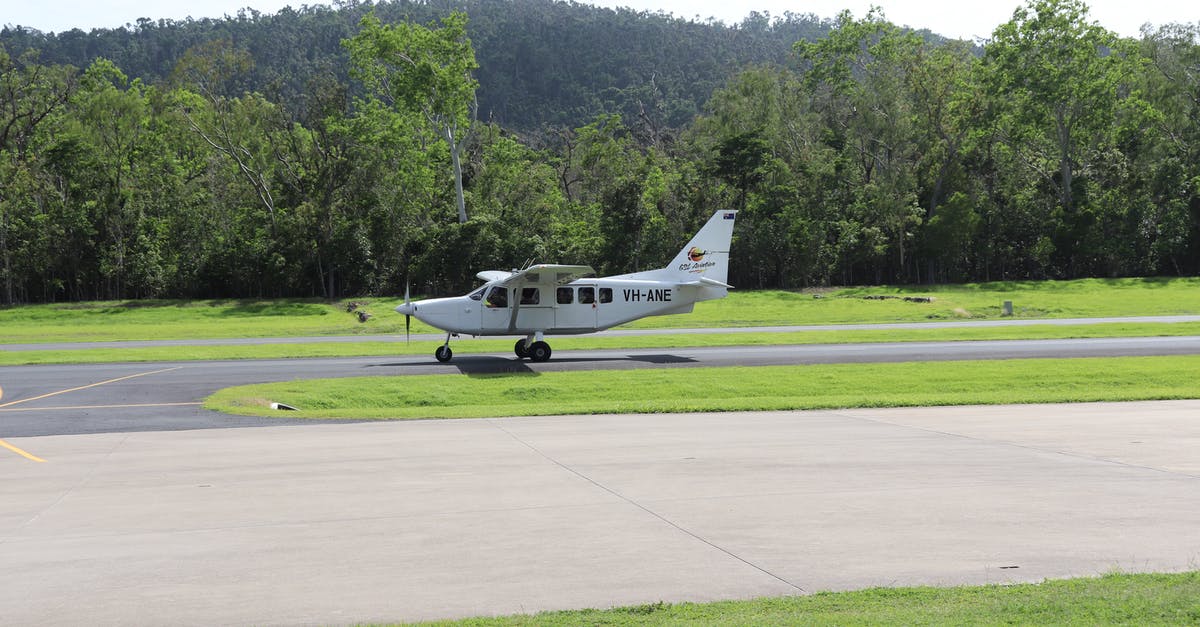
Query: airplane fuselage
[{"x": 582, "y": 306}]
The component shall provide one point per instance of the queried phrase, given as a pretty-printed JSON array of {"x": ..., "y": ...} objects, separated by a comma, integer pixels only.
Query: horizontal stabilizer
[{"x": 706, "y": 282}]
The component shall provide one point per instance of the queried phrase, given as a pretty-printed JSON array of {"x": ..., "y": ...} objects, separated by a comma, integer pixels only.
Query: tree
[
  {"x": 30, "y": 94},
  {"x": 1172, "y": 166},
  {"x": 859, "y": 74},
  {"x": 415, "y": 68},
  {"x": 1058, "y": 82}
]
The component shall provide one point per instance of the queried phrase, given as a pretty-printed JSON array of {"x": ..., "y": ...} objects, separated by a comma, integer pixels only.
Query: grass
[
  {"x": 174, "y": 320},
  {"x": 724, "y": 389},
  {"x": 155, "y": 320},
  {"x": 588, "y": 342},
  {"x": 1114, "y": 599},
  {"x": 1085, "y": 298}
]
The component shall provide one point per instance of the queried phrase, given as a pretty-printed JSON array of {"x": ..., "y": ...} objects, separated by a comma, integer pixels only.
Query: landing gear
[
  {"x": 535, "y": 351},
  {"x": 539, "y": 351},
  {"x": 443, "y": 352}
]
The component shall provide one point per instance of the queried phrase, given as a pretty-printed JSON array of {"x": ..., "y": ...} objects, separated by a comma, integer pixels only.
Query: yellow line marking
[
  {"x": 35, "y": 458},
  {"x": 84, "y": 387},
  {"x": 18, "y": 451},
  {"x": 100, "y": 406}
]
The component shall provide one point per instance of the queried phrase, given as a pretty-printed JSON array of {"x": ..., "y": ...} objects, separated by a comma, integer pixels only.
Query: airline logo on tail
[
  {"x": 696, "y": 266},
  {"x": 697, "y": 255}
]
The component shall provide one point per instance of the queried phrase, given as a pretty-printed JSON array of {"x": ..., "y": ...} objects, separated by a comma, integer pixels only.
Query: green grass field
[
  {"x": 1114, "y": 599},
  {"x": 724, "y": 389},
  {"x": 155, "y": 320}
]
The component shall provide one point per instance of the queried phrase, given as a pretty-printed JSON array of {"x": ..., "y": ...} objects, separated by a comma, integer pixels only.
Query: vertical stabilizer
[{"x": 705, "y": 257}]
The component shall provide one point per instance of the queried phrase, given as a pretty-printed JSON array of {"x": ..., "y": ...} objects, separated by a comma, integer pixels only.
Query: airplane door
[
  {"x": 575, "y": 307},
  {"x": 496, "y": 313}
]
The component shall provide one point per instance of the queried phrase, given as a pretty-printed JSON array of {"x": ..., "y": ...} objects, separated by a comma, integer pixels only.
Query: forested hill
[{"x": 541, "y": 62}]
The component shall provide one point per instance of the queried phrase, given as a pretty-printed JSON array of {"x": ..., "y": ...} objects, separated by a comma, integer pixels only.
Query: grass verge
[
  {"x": 1115, "y": 599},
  {"x": 163, "y": 319},
  {"x": 666, "y": 340},
  {"x": 724, "y": 389}
]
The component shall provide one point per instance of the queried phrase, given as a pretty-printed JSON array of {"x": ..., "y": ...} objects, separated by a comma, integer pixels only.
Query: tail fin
[{"x": 705, "y": 259}]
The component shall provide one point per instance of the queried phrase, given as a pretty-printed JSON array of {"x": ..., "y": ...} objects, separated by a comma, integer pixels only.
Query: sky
[{"x": 964, "y": 19}]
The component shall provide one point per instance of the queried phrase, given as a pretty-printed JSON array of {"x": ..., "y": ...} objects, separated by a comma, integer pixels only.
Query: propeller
[
  {"x": 407, "y": 316},
  {"x": 406, "y": 309}
]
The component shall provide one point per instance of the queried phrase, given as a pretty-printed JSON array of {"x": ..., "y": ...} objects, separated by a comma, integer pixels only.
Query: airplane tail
[{"x": 704, "y": 261}]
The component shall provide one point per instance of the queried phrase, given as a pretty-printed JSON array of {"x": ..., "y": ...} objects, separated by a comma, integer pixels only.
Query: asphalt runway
[
  {"x": 376, "y": 522},
  {"x": 102, "y": 398}
]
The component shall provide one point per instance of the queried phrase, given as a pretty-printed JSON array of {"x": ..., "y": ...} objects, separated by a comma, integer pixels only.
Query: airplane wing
[
  {"x": 488, "y": 276},
  {"x": 546, "y": 274}
]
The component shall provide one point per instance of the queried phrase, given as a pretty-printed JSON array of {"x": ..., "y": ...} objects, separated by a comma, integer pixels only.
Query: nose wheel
[{"x": 443, "y": 352}]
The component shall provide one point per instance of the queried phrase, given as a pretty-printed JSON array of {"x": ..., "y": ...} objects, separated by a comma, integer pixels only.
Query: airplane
[{"x": 552, "y": 299}]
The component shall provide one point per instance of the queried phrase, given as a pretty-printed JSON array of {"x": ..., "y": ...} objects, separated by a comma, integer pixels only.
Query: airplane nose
[{"x": 405, "y": 309}]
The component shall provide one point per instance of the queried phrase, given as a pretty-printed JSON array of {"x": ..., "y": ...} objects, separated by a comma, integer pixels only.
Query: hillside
[{"x": 542, "y": 62}]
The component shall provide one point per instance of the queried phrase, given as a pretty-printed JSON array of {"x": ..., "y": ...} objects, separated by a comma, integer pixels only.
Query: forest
[{"x": 335, "y": 152}]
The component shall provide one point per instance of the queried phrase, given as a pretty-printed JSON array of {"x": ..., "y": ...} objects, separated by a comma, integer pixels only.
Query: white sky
[{"x": 967, "y": 19}]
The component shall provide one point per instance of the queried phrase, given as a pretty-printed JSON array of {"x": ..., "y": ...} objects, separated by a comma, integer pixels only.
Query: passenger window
[
  {"x": 587, "y": 295},
  {"x": 531, "y": 296},
  {"x": 497, "y": 298},
  {"x": 606, "y": 294},
  {"x": 565, "y": 295},
  {"x": 477, "y": 294}
]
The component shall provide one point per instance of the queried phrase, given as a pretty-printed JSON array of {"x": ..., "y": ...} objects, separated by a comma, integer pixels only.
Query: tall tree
[
  {"x": 426, "y": 70},
  {"x": 859, "y": 72},
  {"x": 1058, "y": 78},
  {"x": 30, "y": 93}
]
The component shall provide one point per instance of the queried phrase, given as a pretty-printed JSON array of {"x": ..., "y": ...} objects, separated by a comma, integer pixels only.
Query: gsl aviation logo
[{"x": 695, "y": 254}]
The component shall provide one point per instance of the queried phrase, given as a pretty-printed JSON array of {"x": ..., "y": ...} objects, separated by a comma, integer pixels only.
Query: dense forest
[{"x": 337, "y": 152}]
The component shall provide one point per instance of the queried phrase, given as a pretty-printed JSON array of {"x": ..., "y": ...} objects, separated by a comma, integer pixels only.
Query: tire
[
  {"x": 520, "y": 349},
  {"x": 539, "y": 351},
  {"x": 443, "y": 354}
]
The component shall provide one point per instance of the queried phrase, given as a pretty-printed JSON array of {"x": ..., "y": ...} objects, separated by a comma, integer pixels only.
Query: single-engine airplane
[{"x": 550, "y": 299}]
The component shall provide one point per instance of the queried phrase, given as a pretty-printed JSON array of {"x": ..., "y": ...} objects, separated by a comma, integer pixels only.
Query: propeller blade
[{"x": 407, "y": 317}]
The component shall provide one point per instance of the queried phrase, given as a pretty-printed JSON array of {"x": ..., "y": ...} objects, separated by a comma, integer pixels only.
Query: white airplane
[{"x": 549, "y": 299}]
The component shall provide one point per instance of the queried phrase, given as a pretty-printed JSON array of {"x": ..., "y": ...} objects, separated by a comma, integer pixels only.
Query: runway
[
  {"x": 103, "y": 398},
  {"x": 377, "y": 522}
]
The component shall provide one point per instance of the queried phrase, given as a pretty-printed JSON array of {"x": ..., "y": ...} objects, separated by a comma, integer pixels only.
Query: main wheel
[
  {"x": 443, "y": 353},
  {"x": 520, "y": 349},
  {"x": 539, "y": 351}
]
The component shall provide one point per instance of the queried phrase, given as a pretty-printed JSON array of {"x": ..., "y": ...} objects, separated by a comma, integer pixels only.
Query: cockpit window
[
  {"x": 531, "y": 296},
  {"x": 497, "y": 298},
  {"x": 477, "y": 294}
]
